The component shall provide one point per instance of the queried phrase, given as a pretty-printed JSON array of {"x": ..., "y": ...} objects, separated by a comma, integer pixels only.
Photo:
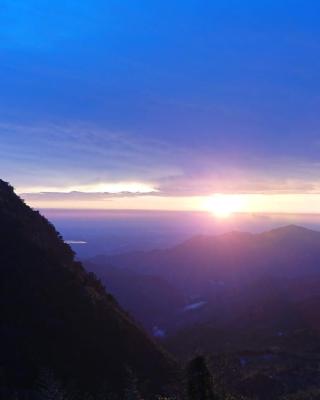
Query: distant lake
[{"x": 105, "y": 232}]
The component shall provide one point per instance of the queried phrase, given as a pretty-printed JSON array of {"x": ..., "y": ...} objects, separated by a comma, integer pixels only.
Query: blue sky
[{"x": 188, "y": 97}]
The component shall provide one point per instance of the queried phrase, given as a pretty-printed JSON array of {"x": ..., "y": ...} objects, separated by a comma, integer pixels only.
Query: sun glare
[{"x": 223, "y": 206}]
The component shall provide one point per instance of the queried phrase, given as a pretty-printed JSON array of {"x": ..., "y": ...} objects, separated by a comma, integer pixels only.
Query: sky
[{"x": 161, "y": 104}]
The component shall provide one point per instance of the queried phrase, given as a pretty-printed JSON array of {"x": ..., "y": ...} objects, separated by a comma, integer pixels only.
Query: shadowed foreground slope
[{"x": 56, "y": 316}]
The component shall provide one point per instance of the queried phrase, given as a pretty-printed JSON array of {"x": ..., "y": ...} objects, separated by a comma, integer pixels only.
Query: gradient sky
[{"x": 176, "y": 100}]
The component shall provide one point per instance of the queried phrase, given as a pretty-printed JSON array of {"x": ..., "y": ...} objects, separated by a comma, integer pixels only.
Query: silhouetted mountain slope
[
  {"x": 55, "y": 315},
  {"x": 152, "y": 300}
]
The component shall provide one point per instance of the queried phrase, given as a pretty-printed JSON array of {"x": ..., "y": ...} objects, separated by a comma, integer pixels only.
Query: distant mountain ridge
[
  {"x": 231, "y": 279},
  {"x": 55, "y": 315},
  {"x": 208, "y": 258}
]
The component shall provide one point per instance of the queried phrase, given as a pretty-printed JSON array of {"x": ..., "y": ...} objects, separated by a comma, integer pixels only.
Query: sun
[{"x": 223, "y": 206}]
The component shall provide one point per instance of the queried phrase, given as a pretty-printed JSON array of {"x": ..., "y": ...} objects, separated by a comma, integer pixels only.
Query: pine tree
[{"x": 199, "y": 380}]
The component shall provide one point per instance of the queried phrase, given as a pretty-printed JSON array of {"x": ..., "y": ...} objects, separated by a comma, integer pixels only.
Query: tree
[
  {"x": 131, "y": 391},
  {"x": 199, "y": 380},
  {"x": 49, "y": 388}
]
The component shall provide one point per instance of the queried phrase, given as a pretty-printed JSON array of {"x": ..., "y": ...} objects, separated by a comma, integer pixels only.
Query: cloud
[
  {"x": 94, "y": 188},
  {"x": 175, "y": 188},
  {"x": 82, "y": 161},
  {"x": 69, "y": 154},
  {"x": 77, "y": 196},
  {"x": 256, "y": 176}
]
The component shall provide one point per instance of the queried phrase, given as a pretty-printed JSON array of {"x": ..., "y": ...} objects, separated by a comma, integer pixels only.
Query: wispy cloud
[
  {"x": 69, "y": 155},
  {"x": 81, "y": 161}
]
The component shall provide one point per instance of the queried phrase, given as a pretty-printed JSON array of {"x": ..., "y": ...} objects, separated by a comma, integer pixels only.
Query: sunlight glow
[{"x": 223, "y": 206}]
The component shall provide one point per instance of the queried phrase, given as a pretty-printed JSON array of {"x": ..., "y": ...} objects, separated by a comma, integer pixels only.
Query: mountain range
[
  {"x": 248, "y": 301},
  {"x": 268, "y": 281}
]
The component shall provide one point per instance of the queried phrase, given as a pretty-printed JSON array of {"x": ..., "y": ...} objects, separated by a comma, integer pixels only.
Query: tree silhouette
[
  {"x": 131, "y": 391},
  {"x": 199, "y": 380},
  {"x": 49, "y": 388}
]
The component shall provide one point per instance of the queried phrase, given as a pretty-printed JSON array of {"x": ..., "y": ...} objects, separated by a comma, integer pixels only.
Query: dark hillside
[{"x": 55, "y": 315}]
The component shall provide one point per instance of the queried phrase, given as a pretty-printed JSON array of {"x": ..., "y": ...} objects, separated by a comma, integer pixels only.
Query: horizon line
[{"x": 173, "y": 211}]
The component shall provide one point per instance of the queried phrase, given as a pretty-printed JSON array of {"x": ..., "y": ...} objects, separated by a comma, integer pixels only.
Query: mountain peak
[
  {"x": 292, "y": 229},
  {"x": 5, "y": 186}
]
